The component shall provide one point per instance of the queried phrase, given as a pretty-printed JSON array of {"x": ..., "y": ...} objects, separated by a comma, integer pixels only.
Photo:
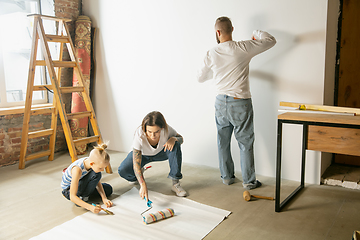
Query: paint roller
[{"x": 157, "y": 216}]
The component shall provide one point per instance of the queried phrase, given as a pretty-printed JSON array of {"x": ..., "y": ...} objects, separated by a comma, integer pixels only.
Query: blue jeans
[
  {"x": 126, "y": 169},
  {"x": 87, "y": 186},
  {"x": 235, "y": 115}
]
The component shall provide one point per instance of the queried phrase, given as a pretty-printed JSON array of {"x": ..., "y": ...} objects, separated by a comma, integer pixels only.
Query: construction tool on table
[
  {"x": 105, "y": 210},
  {"x": 247, "y": 196},
  {"x": 322, "y": 108},
  {"x": 159, "y": 215},
  {"x": 57, "y": 107}
]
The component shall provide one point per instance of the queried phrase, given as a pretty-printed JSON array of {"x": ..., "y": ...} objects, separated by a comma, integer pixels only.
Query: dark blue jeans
[
  {"x": 87, "y": 186},
  {"x": 126, "y": 169}
]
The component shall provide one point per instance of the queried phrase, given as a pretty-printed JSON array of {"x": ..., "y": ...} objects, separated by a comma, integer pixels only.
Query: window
[{"x": 16, "y": 31}]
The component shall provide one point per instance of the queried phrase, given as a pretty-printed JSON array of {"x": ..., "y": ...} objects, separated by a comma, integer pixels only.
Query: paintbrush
[{"x": 105, "y": 210}]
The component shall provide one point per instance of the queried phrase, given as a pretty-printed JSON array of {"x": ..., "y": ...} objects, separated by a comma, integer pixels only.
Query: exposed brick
[
  {"x": 2, "y": 136},
  {"x": 13, "y": 135},
  {"x": 16, "y": 140},
  {"x": 16, "y": 154},
  {"x": 37, "y": 149},
  {"x": 37, "y": 125},
  {"x": 14, "y": 129}
]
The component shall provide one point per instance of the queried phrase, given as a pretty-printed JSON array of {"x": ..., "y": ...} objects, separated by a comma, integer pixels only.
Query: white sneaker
[{"x": 180, "y": 192}]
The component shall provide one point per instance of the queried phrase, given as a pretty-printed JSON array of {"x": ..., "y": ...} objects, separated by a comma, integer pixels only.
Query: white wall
[{"x": 148, "y": 54}]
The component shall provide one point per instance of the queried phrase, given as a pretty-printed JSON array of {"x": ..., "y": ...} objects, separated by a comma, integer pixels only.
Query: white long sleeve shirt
[{"x": 228, "y": 64}]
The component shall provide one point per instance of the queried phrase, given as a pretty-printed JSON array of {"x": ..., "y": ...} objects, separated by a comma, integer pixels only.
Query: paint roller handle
[{"x": 148, "y": 203}]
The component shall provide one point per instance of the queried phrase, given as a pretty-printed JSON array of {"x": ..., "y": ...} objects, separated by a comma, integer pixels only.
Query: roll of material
[{"x": 160, "y": 215}]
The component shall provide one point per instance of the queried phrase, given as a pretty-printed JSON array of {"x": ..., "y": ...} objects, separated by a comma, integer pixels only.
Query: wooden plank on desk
[
  {"x": 321, "y": 108},
  {"x": 325, "y": 118},
  {"x": 334, "y": 140}
]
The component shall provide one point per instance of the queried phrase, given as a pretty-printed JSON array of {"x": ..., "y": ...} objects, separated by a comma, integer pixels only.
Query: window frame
[{"x": 4, "y": 101}]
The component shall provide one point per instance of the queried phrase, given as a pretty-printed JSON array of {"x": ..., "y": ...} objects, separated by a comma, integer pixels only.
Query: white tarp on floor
[{"x": 192, "y": 220}]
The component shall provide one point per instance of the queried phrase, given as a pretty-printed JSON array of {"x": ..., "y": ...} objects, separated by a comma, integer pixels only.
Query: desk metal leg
[
  {"x": 304, "y": 147},
  {"x": 278, "y": 205},
  {"x": 278, "y": 167}
]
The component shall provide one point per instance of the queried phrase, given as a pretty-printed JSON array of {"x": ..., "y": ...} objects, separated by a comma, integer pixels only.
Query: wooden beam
[
  {"x": 68, "y": 64},
  {"x": 71, "y": 89},
  {"x": 42, "y": 87},
  {"x": 40, "y": 133},
  {"x": 50, "y": 17},
  {"x": 86, "y": 140},
  {"x": 77, "y": 115},
  {"x": 323, "y": 108},
  {"x": 37, "y": 155},
  {"x": 56, "y": 38}
]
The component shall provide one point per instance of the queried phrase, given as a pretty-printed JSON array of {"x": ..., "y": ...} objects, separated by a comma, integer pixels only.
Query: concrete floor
[{"x": 31, "y": 202}]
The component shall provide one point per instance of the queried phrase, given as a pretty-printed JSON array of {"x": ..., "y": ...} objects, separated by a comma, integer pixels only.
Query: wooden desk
[{"x": 331, "y": 133}]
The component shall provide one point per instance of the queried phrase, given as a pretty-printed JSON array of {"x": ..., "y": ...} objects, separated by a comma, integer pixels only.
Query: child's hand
[
  {"x": 95, "y": 209},
  {"x": 107, "y": 202}
]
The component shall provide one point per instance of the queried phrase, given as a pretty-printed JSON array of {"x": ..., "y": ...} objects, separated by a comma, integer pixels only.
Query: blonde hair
[{"x": 101, "y": 148}]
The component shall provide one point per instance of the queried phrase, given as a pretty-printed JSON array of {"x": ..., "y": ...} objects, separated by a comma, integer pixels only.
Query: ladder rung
[
  {"x": 86, "y": 140},
  {"x": 42, "y": 87},
  {"x": 67, "y": 64},
  {"x": 38, "y": 155},
  {"x": 72, "y": 89},
  {"x": 63, "y": 89},
  {"x": 78, "y": 115},
  {"x": 57, "y": 38},
  {"x": 41, "y": 133},
  {"x": 38, "y": 111},
  {"x": 50, "y": 17}
]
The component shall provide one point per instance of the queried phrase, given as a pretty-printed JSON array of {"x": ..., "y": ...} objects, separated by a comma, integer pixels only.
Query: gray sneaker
[
  {"x": 249, "y": 186},
  {"x": 228, "y": 181}
]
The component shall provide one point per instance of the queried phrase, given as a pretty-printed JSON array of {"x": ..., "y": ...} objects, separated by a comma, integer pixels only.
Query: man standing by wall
[{"x": 228, "y": 65}]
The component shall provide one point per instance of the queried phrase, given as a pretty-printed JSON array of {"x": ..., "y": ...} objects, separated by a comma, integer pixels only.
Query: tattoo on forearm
[{"x": 137, "y": 166}]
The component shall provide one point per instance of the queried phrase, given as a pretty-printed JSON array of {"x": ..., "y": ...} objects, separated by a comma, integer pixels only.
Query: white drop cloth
[{"x": 192, "y": 220}]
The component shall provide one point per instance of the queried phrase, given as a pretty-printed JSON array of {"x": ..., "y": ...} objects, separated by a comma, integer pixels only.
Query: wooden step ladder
[{"x": 57, "y": 107}]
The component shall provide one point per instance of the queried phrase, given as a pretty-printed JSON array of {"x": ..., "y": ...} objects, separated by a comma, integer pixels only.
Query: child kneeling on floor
[{"x": 81, "y": 180}]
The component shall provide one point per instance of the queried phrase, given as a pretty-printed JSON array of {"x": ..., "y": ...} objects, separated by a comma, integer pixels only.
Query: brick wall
[
  {"x": 11, "y": 125},
  {"x": 10, "y": 136}
]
